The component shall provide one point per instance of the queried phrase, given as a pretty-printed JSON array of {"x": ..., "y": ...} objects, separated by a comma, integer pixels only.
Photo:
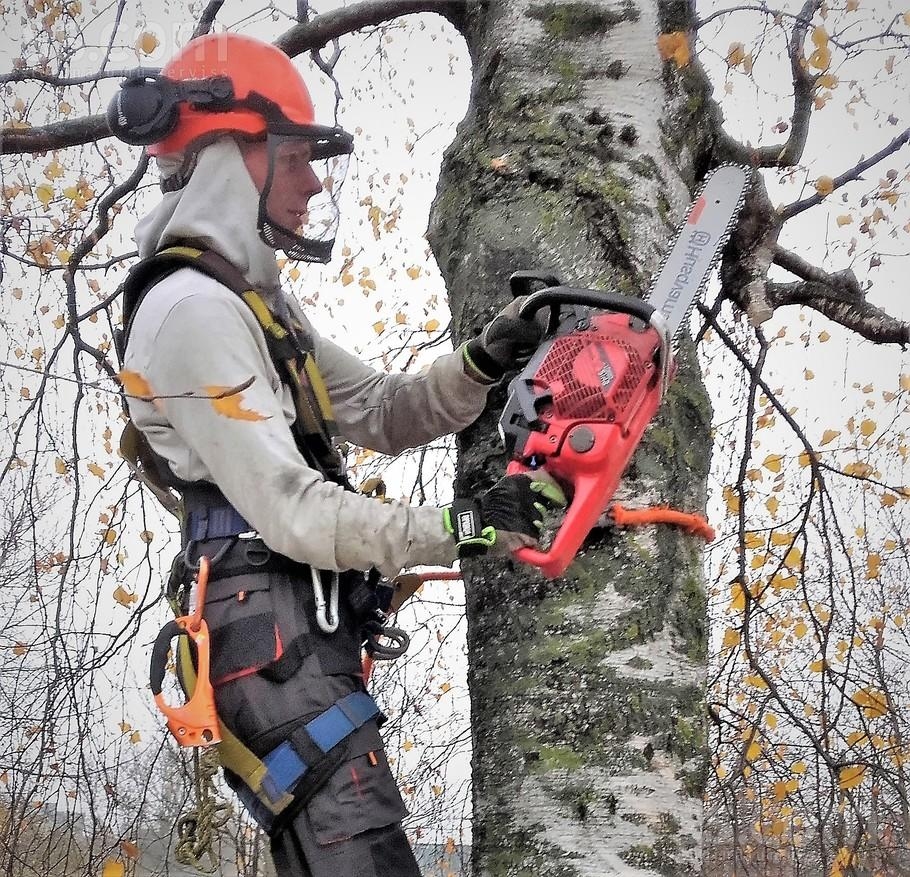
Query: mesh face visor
[{"x": 298, "y": 207}]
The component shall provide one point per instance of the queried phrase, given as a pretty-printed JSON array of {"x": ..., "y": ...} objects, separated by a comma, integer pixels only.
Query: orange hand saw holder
[{"x": 196, "y": 722}]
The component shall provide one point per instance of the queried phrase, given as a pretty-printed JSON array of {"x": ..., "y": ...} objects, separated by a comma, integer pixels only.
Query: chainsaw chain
[{"x": 719, "y": 247}]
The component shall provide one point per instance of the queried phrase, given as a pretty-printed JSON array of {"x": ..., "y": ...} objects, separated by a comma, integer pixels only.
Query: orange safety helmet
[{"x": 252, "y": 66}]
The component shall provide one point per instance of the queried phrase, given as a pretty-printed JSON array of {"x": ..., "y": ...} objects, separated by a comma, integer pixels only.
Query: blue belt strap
[
  {"x": 286, "y": 767},
  {"x": 215, "y": 522}
]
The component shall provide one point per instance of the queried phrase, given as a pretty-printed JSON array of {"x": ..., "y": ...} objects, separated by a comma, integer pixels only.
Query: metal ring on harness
[
  {"x": 326, "y": 611},
  {"x": 193, "y": 566}
]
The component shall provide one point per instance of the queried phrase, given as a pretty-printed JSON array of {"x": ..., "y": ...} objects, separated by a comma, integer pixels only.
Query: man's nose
[{"x": 310, "y": 183}]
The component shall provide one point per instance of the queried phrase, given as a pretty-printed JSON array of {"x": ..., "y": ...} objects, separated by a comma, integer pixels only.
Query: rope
[
  {"x": 692, "y": 523},
  {"x": 197, "y": 830}
]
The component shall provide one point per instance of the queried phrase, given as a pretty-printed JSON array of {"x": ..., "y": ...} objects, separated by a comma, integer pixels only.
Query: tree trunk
[{"x": 578, "y": 155}]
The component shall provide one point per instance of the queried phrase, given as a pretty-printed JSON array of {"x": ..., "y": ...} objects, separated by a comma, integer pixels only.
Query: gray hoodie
[{"x": 191, "y": 333}]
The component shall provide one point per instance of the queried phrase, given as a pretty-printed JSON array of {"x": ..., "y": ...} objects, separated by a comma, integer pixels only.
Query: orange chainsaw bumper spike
[{"x": 196, "y": 722}]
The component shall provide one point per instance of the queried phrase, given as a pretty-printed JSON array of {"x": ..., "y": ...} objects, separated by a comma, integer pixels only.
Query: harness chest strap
[{"x": 315, "y": 425}]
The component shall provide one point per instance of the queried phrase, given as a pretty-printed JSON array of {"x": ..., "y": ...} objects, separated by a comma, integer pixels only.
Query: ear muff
[{"x": 147, "y": 106}]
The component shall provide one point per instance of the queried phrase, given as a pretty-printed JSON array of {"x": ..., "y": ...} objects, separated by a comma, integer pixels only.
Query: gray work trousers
[{"x": 273, "y": 669}]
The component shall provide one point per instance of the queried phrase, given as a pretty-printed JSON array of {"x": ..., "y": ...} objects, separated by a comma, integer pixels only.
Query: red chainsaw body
[{"x": 578, "y": 411}]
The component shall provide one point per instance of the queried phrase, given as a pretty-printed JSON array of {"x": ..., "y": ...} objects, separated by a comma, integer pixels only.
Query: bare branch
[
  {"x": 803, "y": 87},
  {"x": 330, "y": 25},
  {"x": 854, "y": 173},
  {"x": 207, "y": 19},
  {"x": 838, "y": 296},
  {"x": 59, "y": 135}
]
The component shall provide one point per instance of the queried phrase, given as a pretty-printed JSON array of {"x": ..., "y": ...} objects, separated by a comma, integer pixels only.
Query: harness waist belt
[{"x": 285, "y": 765}]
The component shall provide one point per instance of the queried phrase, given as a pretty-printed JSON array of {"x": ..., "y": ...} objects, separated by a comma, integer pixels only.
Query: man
[{"x": 264, "y": 495}]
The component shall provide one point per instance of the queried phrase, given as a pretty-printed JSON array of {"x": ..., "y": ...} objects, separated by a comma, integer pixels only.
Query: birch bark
[{"x": 578, "y": 155}]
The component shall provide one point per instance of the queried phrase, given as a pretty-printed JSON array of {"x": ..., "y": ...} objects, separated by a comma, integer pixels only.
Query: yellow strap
[
  {"x": 192, "y": 252},
  {"x": 319, "y": 390},
  {"x": 236, "y": 757},
  {"x": 263, "y": 314}
]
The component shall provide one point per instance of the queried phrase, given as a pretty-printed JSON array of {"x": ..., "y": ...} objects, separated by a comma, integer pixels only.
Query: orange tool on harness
[{"x": 196, "y": 722}]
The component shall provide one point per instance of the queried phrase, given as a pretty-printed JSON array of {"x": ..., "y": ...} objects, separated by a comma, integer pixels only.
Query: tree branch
[
  {"x": 207, "y": 19},
  {"x": 838, "y": 296},
  {"x": 803, "y": 87},
  {"x": 320, "y": 30},
  {"x": 299, "y": 39},
  {"x": 854, "y": 173}
]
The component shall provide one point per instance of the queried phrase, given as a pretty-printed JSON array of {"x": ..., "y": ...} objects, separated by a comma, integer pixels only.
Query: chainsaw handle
[
  {"x": 159, "y": 655},
  {"x": 521, "y": 282},
  {"x": 555, "y": 296}
]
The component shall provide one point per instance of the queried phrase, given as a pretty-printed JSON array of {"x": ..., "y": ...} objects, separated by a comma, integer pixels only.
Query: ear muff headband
[{"x": 146, "y": 108}]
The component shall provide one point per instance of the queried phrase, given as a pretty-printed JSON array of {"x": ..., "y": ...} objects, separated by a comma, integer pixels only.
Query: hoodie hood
[{"x": 217, "y": 209}]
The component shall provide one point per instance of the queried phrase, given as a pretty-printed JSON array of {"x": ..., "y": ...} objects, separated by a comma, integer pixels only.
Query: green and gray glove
[
  {"x": 508, "y": 341},
  {"x": 505, "y": 518}
]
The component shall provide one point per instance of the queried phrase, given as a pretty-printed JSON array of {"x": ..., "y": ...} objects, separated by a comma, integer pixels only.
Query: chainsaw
[{"x": 579, "y": 408}]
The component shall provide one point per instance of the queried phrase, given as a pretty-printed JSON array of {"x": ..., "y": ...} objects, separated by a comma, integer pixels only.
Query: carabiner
[{"x": 326, "y": 613}]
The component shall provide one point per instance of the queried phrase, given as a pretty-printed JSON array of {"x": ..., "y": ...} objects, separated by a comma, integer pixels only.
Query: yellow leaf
[
  {"x": 146, "y": 536},
  {"x": 400, "y": 318},
  {"x": 110, "y": 536},
  {"x": 737, "y": 597},
  {"x": 736, "y": 54},
  {"x": 888, "y": 500},
  {"x": 856, "y": 737},
  {"x": 772, "y": 462},
  {"x": 799, "y": 768},
  {"x": 794, "y": 557},
  {"x": 20, "y": 649},
  {"x": 858, "y": 469},
  {"x": 125, "y": 727},
  {"x": 59, "y": 321},
  {"x": 146, "y": 43},
  {"x": 844, "y": 219},
  {"x": 754, "y": 541},
  {"x": 756, "y": 681},
  {"x": 771, "y": 720},
  {"x": 867, "y": 427},
  {"x": 134, "y": 739},
  {"x": 445, "y": 687},
  {"x": 135, "y": 385},
  {"x": 413, "y": 272},
  {"x": 347, "y": 278},
  {"x": 674, "y": 46},
  {"x": 44, "y": 192},
  {"x": 823, "y": 336},
  {"x": 431, "y": 325},
  {"x": 804, "y": 459},
  {"x": 407, "y": 745},
  {"x": 817, "y": 666},
  {"x": 113, "y": 868},
  {"x": 753, "y": 750},
  {"x": 779, "y": 538},
  {"x": 829, "y": 435},
  {"x": 731, "y": 497},
  {"x": 851, "y": 776},
  {"x": 800, "y": 629},
  {"x": 60, "y": 466},
  {"x": 96, "y": 470},
  {"x": 826, "y": 80},
  {"x": 824, "y": 186},
  {"x": 25, "y": 393},
  {"x": 772, "y": 504},
  {"x": 731, "y": 638},
  {"x": 231, "y": 405},
  {"x": 294, "y": 273},
  {"x": 873, "y": 702},
  {"x": 124, "y": 597},
  {"x": 379, "y": 327}
]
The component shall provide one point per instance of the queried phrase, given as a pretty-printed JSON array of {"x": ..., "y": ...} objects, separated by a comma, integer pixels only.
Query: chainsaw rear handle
[{"x": 556, "y": 296}]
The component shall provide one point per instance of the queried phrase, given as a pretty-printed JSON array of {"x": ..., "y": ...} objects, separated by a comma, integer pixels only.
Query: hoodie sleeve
[
  {"x": 250, "y": 453},
  {"x": 391, "y": 412}
]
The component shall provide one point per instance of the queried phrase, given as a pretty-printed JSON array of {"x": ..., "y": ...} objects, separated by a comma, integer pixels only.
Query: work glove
[
  {"x": 507, "y": 342},
  {"x": 505, "y": 518}
]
